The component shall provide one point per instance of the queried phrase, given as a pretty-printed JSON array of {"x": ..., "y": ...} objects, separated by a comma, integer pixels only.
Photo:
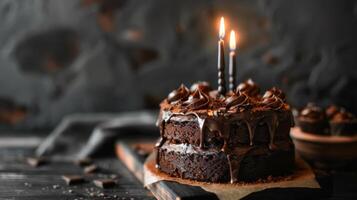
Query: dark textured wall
[{"x": 70, "y": 56}]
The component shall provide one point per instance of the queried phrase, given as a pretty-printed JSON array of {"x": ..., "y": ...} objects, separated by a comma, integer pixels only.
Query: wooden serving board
[{"x": 134, "y": 156}]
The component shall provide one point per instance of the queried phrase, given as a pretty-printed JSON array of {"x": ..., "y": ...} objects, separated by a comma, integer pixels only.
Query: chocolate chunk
[
  {"x": 73, "y": 179},
  {"x": 91, "y": 169},
  {"x": 36, "y": 162},
  {"x": 104, "y": 183},
  {"x": 83, "y": 162}
]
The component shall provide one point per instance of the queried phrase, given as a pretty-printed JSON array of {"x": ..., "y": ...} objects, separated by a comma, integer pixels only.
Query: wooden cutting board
[{"x": 133, "y": 155}]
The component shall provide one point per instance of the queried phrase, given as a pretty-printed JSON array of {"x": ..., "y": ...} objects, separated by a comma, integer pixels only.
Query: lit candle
[
  {"x": 232, "y": 61},
  {"x": 221, "y": 63}
]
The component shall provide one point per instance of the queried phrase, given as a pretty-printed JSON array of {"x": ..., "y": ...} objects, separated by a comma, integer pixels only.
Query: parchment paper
[{"x": 303, "y": 177}]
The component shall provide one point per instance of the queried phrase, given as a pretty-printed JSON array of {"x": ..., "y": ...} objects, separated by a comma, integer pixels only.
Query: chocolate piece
[
  {"x": 73, "y": 179},
  {"x": 83, "y": 162},
  {"x": 104, "y": 183},
  {"x": 36, "y": 162},
  {"x": 312, "y": 119},
  {"x": 91, "y": 169},
  {"x": 235, "y": 137}
]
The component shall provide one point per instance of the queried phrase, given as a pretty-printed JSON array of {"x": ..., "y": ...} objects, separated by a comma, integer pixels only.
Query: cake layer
[
  {"x": 186, "y": 129},
  {"x": 245, "y": 163}
]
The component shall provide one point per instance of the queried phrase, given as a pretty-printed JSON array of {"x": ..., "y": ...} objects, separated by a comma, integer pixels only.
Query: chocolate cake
[{"x": 240, "y": 136}]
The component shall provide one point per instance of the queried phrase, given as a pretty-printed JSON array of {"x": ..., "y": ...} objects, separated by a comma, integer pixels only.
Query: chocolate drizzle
[
  {"x": 217, "y": 115},
  {"x": 165, "y": 118},
  {"x": 234, "y": 161},
  {"x": 272, "y": 125}
]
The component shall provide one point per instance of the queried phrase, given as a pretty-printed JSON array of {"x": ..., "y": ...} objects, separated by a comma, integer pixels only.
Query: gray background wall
[{"x": 78, "y": 56}]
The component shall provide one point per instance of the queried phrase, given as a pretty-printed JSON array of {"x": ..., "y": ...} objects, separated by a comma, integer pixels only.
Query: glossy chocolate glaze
[{"x": 217, "y": 114}]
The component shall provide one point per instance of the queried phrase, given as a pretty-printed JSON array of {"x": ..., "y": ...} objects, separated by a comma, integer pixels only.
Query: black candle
[
  {"x": 232, "y": 62},
  {"x": 221, "y": 63}
]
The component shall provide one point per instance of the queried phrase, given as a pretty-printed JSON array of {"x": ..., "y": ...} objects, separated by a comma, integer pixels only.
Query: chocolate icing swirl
[
  {"x": 313, "y": 112},
  {"x": 343, "y": 115},
  {"x": 203, "y": 86},
  {"x": 331, "y": 111},
  {"x": 273, "y": 102},
  {"x": 237, "y": 99},
  {"x": 197, "y": 100},
  {"x": 249, "y": 88},
  {"x": 179, "y": 94},
  {"x": 275, "y": 92}
]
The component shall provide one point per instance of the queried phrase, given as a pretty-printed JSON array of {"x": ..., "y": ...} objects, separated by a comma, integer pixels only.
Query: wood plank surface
[{"x": 18, "y": 180}]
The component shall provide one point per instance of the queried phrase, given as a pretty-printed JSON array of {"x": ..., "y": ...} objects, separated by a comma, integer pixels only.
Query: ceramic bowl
[{"x": 328, "y": 152}]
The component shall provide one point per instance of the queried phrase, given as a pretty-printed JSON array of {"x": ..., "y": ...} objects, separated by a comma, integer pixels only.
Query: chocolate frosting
[
  {"x": 331, "y": 111},
  {"x": 343, "y": 115},
  {"x": 273, "y": 102},
  {"x": 312, "y": 112},
  {"x": 236, "y": 99},
  {"x": 197, "y": 100},
  {"x": 203, "y": 86},
  {"x": 275, "y": 92},
  {"x": 249, "y": 88},
  {"x": 179, "y": 94}
]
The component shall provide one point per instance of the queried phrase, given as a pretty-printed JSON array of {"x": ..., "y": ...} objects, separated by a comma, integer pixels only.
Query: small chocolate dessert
[
  {"x": 331, "y": 111},
  {"x": 312, "y": 119},
  {"x": 343, "y": 123}
]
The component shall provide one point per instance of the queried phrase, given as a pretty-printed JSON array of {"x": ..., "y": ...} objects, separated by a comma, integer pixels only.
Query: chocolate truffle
[{"x": 312, "y": 119}]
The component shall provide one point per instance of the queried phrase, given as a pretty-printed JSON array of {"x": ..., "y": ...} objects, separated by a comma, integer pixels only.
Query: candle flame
[
  {"x": 221, "y": 28},
  {"x": 232, "y": 41}
]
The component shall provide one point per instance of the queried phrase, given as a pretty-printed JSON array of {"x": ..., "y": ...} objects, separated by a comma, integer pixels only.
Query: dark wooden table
[{"x": 18, "y": 180}]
